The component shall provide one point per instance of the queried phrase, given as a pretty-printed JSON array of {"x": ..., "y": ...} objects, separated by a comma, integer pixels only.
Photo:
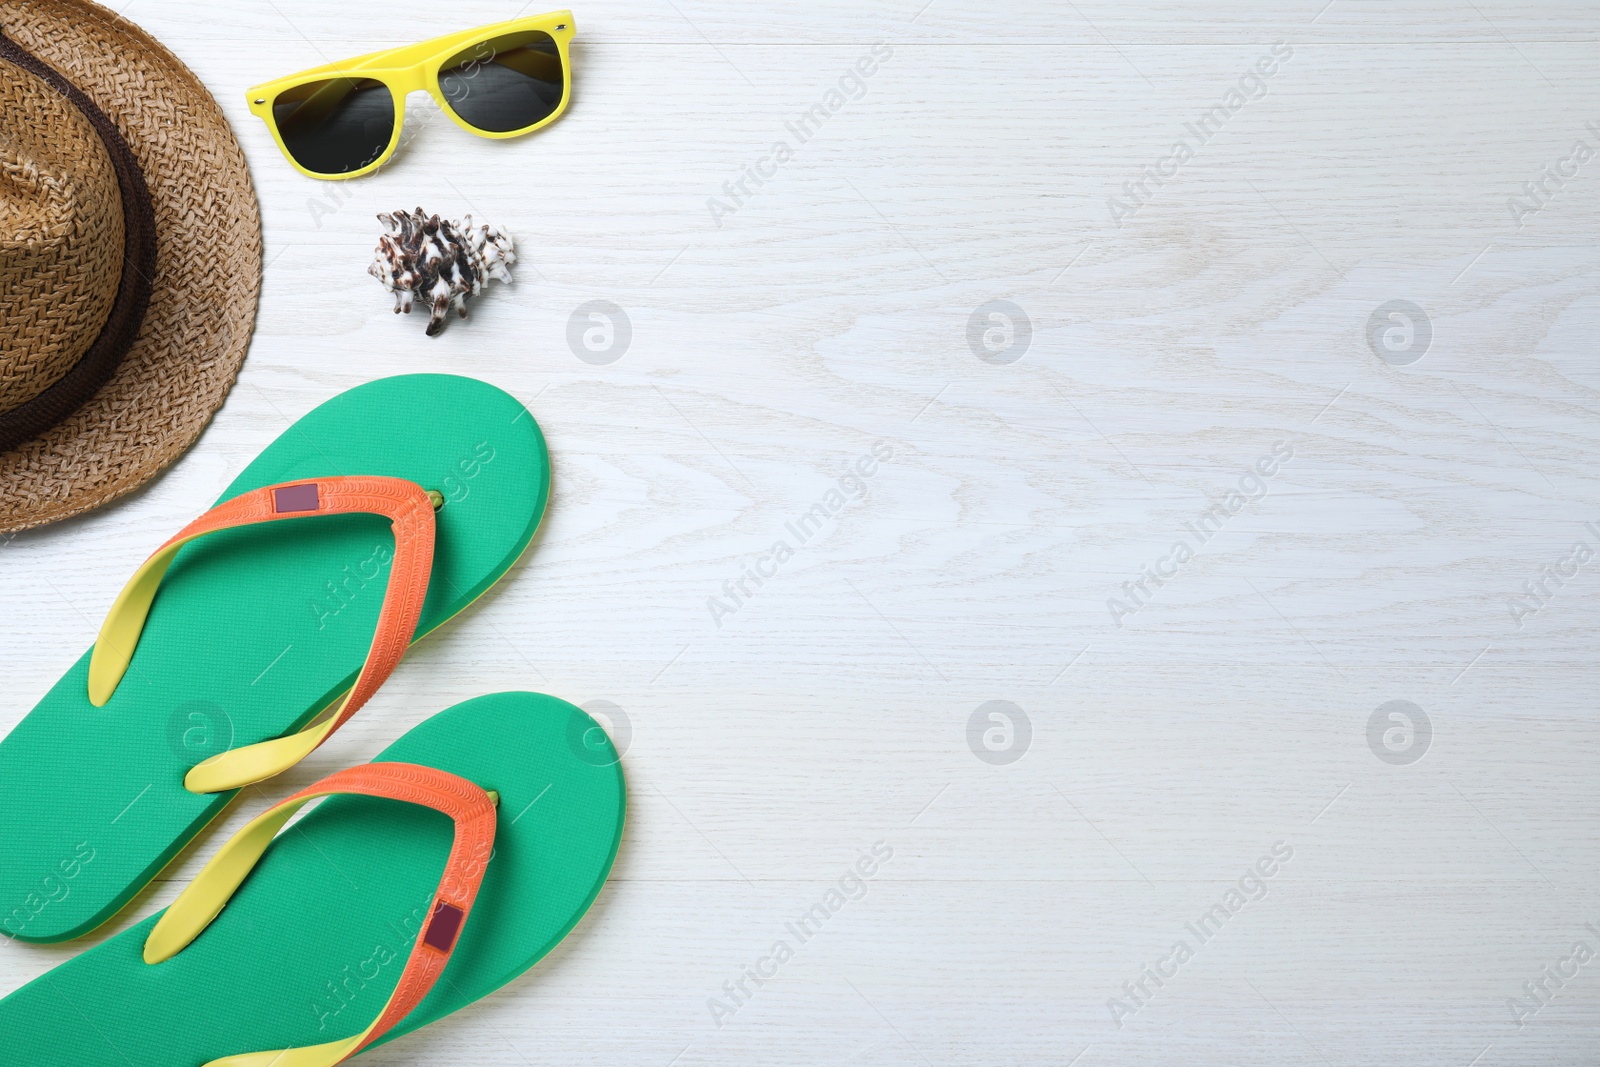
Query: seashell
[{"x": 421, "y": 257}]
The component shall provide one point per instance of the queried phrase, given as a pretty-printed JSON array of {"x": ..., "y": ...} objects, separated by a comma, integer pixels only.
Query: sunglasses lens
[
  {"x": 336, "y": 125},
  {"x": 506, "y": 83}
]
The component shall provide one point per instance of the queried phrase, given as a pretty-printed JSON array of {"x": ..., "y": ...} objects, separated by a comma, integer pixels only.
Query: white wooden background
[{"x": 1167, "y": 354}]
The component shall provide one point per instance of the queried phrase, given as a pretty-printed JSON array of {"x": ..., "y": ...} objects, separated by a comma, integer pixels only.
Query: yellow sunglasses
[{"x": 343, "y": 120}]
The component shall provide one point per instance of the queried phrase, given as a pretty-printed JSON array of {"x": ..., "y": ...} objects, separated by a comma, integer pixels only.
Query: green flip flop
[
  {"x": 368, "y": 523},
  {"x": 364, "y": 920}
]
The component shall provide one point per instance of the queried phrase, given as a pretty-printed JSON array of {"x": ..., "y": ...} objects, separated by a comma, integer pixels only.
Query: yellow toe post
[
  {"x": 203, "y": 899},
  {"x": 119, "y": 634},
  {"x": 309, "y": 1056},
  {"x": 239, "y": 767}
]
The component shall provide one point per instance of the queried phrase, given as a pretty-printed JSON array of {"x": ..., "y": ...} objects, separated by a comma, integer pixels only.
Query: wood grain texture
[{"x": 774, "y": 346}]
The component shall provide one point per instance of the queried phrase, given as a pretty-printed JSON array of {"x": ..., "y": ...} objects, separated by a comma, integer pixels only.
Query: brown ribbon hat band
[
  {"x": 121, "y": 326},
  {"x": 130, "y": 259}
]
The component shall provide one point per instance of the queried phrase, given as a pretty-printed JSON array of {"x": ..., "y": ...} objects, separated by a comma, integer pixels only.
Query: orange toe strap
[
  {"x": 409, "y": 509},
  {"x": 472, "y": 809}
]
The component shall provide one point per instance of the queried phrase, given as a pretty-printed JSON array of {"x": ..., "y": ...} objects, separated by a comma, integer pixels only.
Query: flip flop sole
[
  {"x": 254, "y": 631},
  {"x": 311, "y": 946}
]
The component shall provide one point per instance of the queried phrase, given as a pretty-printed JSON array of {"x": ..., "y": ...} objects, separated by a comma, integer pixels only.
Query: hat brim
[{"x": 208, "y": 268}]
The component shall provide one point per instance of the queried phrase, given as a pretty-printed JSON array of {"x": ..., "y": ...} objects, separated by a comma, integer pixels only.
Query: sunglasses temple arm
[{"x": 345, "y": 66}]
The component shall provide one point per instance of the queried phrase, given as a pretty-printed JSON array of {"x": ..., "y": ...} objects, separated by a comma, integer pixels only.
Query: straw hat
[{"x": 130, "y": 258}]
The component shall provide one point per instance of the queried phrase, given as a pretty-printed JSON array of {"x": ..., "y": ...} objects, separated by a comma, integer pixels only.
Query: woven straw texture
[
  {"x": 208, "y": 267},
  {"x": 60, "y": 238}
]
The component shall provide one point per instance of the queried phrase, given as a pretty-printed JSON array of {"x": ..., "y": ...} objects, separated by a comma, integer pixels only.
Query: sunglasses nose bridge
[{"x": 437, "y": 97}]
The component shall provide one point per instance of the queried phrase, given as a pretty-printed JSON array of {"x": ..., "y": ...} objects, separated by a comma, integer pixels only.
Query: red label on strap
[
  {"x": 443, "y": 927},
  {"x": 295, "y": 498}
]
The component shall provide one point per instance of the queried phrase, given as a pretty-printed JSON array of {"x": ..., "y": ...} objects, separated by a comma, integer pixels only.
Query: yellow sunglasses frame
[{"x": 411, "y": 67}]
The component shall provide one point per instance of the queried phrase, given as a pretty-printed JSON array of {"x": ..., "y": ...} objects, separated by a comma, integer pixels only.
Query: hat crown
[{"x": 61, "y": 235}]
